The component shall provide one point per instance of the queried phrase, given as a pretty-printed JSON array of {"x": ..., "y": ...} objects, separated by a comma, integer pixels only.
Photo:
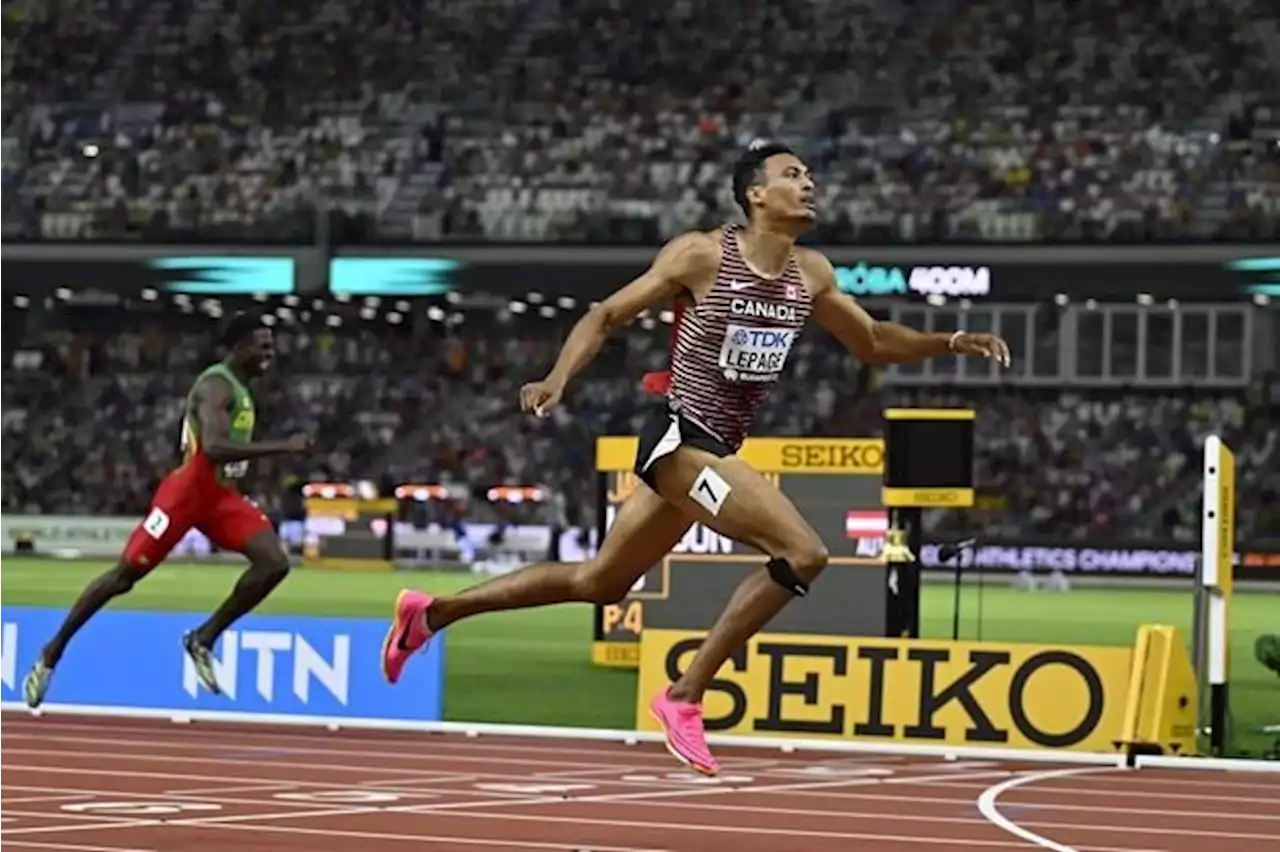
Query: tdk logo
[
  {"x": 766, "y": 338},
  {"x": 261, "y": 648},
  {"x": 9, "y": 654}
]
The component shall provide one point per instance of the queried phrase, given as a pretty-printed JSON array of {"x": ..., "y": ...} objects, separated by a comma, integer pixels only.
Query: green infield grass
[{"x": 533, "y": 667}]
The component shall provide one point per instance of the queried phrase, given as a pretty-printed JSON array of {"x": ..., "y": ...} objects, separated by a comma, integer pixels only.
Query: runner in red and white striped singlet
[
  {"x": 744, "y": 295},
  {"x": 731, "y": 347}
]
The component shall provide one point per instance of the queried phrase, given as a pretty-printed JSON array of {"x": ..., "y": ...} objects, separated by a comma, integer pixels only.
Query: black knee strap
[{"x": 784, "y": 575}]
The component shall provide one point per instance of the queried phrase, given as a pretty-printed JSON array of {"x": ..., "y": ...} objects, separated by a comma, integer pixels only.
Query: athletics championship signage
[{"x": 1097, "y": 557}]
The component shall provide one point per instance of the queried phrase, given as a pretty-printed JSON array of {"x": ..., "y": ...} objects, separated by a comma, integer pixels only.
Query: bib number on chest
[
  {"x": 235, "y": 469},
  {"x": 754, "y": 354}
]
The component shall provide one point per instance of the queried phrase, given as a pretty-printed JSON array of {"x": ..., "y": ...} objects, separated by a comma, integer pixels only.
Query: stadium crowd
[
  {"x": 607, "y": 121},
  {"x": 601, "y": 120},
  {"x": 92, "y": 410}
]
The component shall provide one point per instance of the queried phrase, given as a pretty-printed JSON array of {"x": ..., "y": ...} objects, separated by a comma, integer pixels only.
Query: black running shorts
[{"x": 663, "y": 432}]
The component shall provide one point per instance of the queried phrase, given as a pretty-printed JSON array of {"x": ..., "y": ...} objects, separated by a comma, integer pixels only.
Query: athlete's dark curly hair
[
  {"x": 749, "y": 170},
  {"x": 239, "y": 327}
]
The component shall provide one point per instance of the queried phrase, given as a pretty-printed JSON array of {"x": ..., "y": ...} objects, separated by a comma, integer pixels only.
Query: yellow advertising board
[
  {"x": 841, "y": 456},
  {"x": 354, "y": 536},
  {"x": 931, "y": 692},
  {"x": 1161, "y": 712}
]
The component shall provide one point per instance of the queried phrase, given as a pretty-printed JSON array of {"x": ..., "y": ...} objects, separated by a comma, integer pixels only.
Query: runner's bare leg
[
  {"x": 268, "y": 566},
  {"x": 759, "y": 515},
  {"x": 97, "y": 594},
  {"x": 644, "y": 531}
]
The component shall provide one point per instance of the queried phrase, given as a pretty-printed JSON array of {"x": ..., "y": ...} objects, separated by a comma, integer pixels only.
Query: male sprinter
[
  {"x": 217, "y": 444},
  {"x": 747, "y": 292}
]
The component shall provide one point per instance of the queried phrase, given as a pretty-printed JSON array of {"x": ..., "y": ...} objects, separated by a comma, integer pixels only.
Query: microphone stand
[{"x": 946, "y": 553}]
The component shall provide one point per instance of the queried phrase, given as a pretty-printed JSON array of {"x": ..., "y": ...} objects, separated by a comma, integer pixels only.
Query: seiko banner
[
  {"x": 925, "y": 692},
  {"x": 1187, "y": 273}
]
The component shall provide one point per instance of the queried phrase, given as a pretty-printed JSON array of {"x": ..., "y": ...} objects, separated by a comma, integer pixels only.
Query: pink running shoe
[
  {"x": 407, "y": 634},
  {"x": 682, "y": 723}
]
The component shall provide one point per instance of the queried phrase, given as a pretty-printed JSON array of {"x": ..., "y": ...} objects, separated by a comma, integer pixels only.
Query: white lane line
[
  {"x": 987, "y": 806},
  {"x": 75, "y": 847},
  {"x": 85, "y": 826}
]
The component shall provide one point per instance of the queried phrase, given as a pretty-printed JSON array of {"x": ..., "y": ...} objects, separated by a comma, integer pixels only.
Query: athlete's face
[
  {"x": 786, "y": 192},
  {"x": 259, "y": 351}
]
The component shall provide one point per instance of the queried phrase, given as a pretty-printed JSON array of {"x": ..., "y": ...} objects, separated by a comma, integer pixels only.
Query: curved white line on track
[{"x": 987, "y": 805}]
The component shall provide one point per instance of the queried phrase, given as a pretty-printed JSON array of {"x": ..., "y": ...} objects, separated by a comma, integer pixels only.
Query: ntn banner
[{"x": 265, "y": 664}]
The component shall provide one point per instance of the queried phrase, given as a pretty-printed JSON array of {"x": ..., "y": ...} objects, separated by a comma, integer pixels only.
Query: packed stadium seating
[{"x": 604, "y": 121}]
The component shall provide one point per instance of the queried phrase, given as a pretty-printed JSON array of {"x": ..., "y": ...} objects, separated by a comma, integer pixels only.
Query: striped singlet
[{"x": 731, "y": 348}]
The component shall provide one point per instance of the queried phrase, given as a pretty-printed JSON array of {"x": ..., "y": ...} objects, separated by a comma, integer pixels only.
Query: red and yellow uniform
[{"x": 200, "y": 493}]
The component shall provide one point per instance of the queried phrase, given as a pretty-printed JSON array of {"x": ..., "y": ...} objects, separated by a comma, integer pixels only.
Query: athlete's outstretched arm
[
  {"x": 214, "y": 398},
  {"x": 878, "y": 342},
  {"x": 678, "y": 263}
]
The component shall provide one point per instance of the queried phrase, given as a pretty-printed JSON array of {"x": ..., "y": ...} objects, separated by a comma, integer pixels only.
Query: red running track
[{"x": 98, "y": 785}]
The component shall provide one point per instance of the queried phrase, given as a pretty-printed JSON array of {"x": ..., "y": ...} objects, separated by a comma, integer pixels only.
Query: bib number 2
[{"x": 156, "y": 523}]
